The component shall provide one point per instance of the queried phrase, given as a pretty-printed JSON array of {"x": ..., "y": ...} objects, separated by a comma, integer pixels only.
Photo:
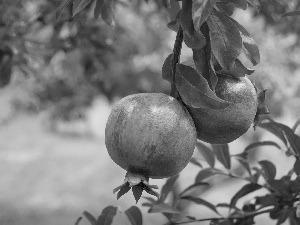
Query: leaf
[
  {"x": 134, "y": 215},
  {"x": 250, "y": 47},
  {"x": 207, "y": 154},
  {"x": 269, "y": 170},
  {"x": 255, "y": 145},
  {"x": 137, "y": 192},
  {"x": 167, "y": 68},
  {"x": 226, "y": 40},
  {"x": 105, "y": 8},
  {"x": 267, "y": 200},
  {"x": 281, "y": 186},
  {"x": 194, "y": 41},
  {"x": 239, "y": 70},
  {"x": 79, "y": 5},
  {"x": 293, "y": 13},
  {"x": 241, "y": 4},
  {"x": 247, "y": 189},
  {"x": 225, "y": 8},
  {"x": 223, "y": 155},
  {"x": 62, "y": 7},
  {"x": 200, "y": 12},
  {"x": 185, "y": 19},
  {"x": 189, "y": 83},
  {"x": 278, "y": 129},
  {"x": 78, "y": 221},
  {"x": 6, "y": 64},
  {"x": 255, "y": 4},
  {"x": 297, "y": 167},
  {"x": 107, "y": 215},
  {"x": 207, "y": 173},
  {"x": 200, "y": 201},
  {"x": 261, "y": 97},
  {"x": 166, "y": 3},
  {"x": 191, "y": 187},
  {"x": 245, "y": 164},
  {"x": 296, "y": 125},
  {"x": 167, "y": 187},
  {"x": 90, "y": 218},
  {"x": 164, "y": 208},
  {"x": 195, "y": 162}
]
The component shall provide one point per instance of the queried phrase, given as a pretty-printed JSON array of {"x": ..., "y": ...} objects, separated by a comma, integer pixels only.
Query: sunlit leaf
[
  {"x": 269, "y": 169},
  {"x": 167, "y": 187},
  {"x": 189, "y": 83},
  {"x": 222, "y": 154},
  {"x": 79, "y": 5},
  {"x": 134, "y": 215},
  {"x": 207, "y": 153},
  {"x": 247, "y": 189},
  {"x": 250, "y": 47},
  {"x": 107, "y": 215},
  {"x": 226, "y": 40},
  {"x": 200, "y": 201}
]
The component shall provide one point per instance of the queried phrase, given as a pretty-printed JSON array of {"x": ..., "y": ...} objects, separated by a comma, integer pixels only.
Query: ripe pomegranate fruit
[
  {"x": 217, "y": 126},
  {"x": 150, "y": 136}
]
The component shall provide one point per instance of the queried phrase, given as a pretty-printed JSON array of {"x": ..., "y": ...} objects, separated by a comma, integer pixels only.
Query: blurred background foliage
[{"x": 60, "y": 68}]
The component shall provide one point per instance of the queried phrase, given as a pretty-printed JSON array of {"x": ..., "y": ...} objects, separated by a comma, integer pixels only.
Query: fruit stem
[{"x": 176, "y": 58}]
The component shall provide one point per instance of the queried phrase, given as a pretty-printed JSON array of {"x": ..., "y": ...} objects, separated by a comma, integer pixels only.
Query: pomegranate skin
[{"x": 151, "y": 134}]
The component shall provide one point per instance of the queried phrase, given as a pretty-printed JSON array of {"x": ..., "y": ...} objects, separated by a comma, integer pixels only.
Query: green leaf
[
  {"x": 195, "y": 41},
  {"x": 223, "y": 155},
  {"x": 62, "y": 6},
  {"x": 107, "y": 215},
  {"x": 285, "y": 133},
  {"x": 253, "y": 145},
  {"x": 225, "y": 8},
  {"x": 293, "y": 13},
  {"x": 297, "y": 167},
  {"x": 78, "y": 221},
  {"x": 192, "y": 187},
  {"x": 200, "y": 12},
  {"x": 79, "y": 5},
  {"x": 195, "y": 162},
  {"x": 241, "y": 4},
  {"x": 207, "y": 173},
  {"x": 185, "y": 20},
  {"x": 250, "y": 47},
  {"x": 226, "y": 40},
  {"x": 239, "y": 70},
  {"x": 247, "y": 189},
  {"x": 105, "y": 8},
  {"x": 207, "y": 154},
  {"x": 164, "y": 208},
  {"x": 268, "y": 170},
  {"x": 200, "y": 201},
  {"x": 245, "y": 164},
  {"x": 167, "y": 68},
  {"x": 167, "y": 187},
  {"x": 90, "y": 218},
  {"x": 281, "y": 186},
  {"x": 134, "y": 215},
  {"x": 189, "y": 83}
]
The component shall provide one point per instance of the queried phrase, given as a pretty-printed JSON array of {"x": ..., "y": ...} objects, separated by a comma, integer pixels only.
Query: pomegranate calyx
[{"x": 138, "y": 183}]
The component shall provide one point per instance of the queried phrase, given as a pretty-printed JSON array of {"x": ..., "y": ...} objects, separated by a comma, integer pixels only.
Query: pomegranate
[{"x": 150, "y": 136}]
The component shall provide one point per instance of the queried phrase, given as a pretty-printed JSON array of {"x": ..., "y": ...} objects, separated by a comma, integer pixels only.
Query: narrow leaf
[
  {"x": 269, "y": 170},
  {"x": 297, "y": 167},
  {"x": 167, "y": 68},
  {"x": 247, "y": 189},
  {"x": 167, "y": 187},
  {"x": 226, "y": 40},
  {"x": 262, "y": 143},
  {"x": 79, "y": 5},
  {"x": 201, "y": 11},
  {"x": 207, "y": 153},
  {"x": 189, "y": 83},
  {"x": 207, "y": 173},
  {"x": 195, "y": 162},
  {"x": 201, "y": 201},
  {"x": 246, "y": 165},
  {"x": 134, "y": 215},
  {"x": 223, "y": 155},
  {"x": 192, "y": 187},
  {"x": 293, "y": 13},
  {"x": 62, "y": 7},
  {"x": 90, "y": 218},
  {"x": 107, "y": 215},
  {"x": 296, "y": 125},
  {"x": 250, "y": 47},
  {"x": 78, "y": 221},
  {"x": 241, "y": 4},
  {"x": 164, "y": 208},
  {"x": 225, "y": 8}
]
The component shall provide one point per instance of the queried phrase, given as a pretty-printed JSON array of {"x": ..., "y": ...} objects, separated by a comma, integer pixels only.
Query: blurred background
[{"x": 67, "y": 74}]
